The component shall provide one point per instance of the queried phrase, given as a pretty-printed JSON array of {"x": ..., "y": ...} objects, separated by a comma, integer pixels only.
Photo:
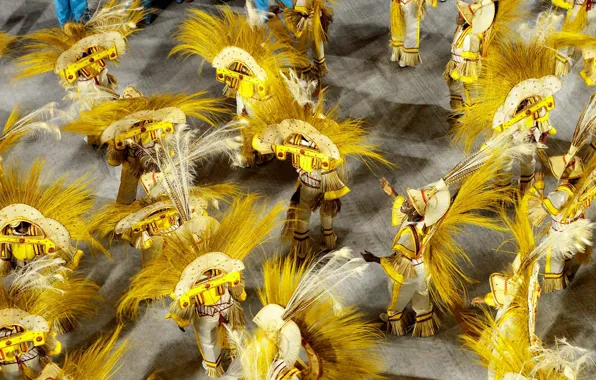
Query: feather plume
[
  {"x": 340, "y": 340},
  {"x": 41, "y": 122},
  {"x": 254, "y": 16},
  {"x": 301, "y": 89},
  {"x": 586, "y": 124},
  {"x": 508, "y": 63},
  {"x": 41, "y": 274},
  {"x": 5, "y": 41},
  {"x": 67, "y": 203},
  {"x": 205, "y": 35},
  {"x": 197, "y": 105},
  {"x": 475, "y": 198},
  {"x": 43, "y": 47},
  {"x": 242, "y": 229},
  {"x": 99, "y": 361},
  {"x": 563, "y": 357}
]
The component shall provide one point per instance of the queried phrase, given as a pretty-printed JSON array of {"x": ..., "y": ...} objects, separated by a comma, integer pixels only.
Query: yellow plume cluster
[
  {"x": 105, "y": 220},
  {"x": 349, "y": 135},
  {"x": 62, "y": 304},
  {"x": 5, "y": 40},
  {"x": 7, "y": 139},
  {"x": 43, "y": 47},
  {"x": 510, "y": 14},
  {"x": 96, "y": 362},
  {"x": 197, "y": 105},
  {"x": 341, "y": 342},
  {"x": 507, "y": 64},
  {"x": 206, "y": 35},
  {"x": 475, "y": 199},
  {"x": 68, "y": 203},
  {"x": 242, "y": 229},
  {"x": 520, "y": 227}
]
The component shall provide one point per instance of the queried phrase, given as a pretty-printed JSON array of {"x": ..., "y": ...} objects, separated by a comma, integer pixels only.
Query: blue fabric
[
  {"x": 262, "y": 5},
  {"x": 70, "y": 10},
  {"x": 265, "y": 5}
]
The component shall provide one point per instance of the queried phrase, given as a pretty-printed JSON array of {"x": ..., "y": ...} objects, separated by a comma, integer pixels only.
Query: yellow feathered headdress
[
  {"x": 5, "y": 40},
  {"x": 43, "y": 48},
  {"x": 241, "y": 230},
  {"x": 507, "y": 64},
  {"x": 224, "y": 39},
  {"x": 94, "y": 121},
  {"x": 339, "y": 337}
]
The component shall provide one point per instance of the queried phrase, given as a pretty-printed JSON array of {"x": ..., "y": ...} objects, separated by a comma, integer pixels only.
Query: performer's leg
[
  {"x": 427, "y": 322},
  {"x": 401, "y": 295},
  {"x": 127, "y": 192},
  {"x": 397, "y": 29},
  {"x": 302, "y": 48},
  {"x": 78, "y": 8},
  {"x": 63, "y": 11},
  {"x": 555, "y": 277},
  {"x": 318, "y": 55},
  {"x": 456, "y": 91},
  {"x": 329, "y": 236},
  {"x": 527, "y": 169},
  {"x": 301, "y": 241},
  {"x": 410, "y": 54},
  {"x": 208, "y": 341}
]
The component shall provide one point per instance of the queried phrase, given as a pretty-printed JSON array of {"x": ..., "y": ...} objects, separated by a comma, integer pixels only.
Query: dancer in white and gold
[{"x": 406, "y": 16}]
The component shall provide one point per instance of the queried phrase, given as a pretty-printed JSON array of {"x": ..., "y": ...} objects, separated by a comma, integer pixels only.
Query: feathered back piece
[
  {"x": 197, "y": 105},
  {"x": 62, "y": 304},
  {"x": 5, "y": 40},
  {"x": 206, "y": 35},
  {"x": 43, "y": 47},
  {"x": 349, "y": 135},
  {"x": 340, "y": 337},
  {"x": 56, "y": 198},
  {"x": 105, "y": 220},
  {"x": 40, "y": 122},
  {"x": 97, "y": 361},
  {"x": 242, "y": 229},
  {"x": 508, "y": 63},
  {"x": 509, "y": 14},
  {"x": 476, "y": 198}
]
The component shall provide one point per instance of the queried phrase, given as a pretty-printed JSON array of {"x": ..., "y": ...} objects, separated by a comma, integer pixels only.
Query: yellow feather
[
  {"x": 340, "y": 341},
  {"x": 8, "y": 140},
  {"x": 96, "y": 362},
  {"x": 241, "y": 230},
  {"x": 197, "y": 105},
  {"x": 68, "y": 203},
  {"x": 206, "y": 35},
  {"x": 5, "y": 40}
]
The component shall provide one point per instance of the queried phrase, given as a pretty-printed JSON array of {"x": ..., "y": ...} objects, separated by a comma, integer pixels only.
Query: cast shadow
[{"x": 28, "y": 14}]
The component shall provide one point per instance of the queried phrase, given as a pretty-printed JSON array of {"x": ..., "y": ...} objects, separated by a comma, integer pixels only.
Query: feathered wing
[
  {"x": 310, "y": 293},
  {"x": 68, "y": 202},
  {"x": 197, "y": 105},
  {"x": 43, "y": 121},
  {"x": 205, "y": 35},
  {"x": 475, "y": 199},
  {"x": 243, "y": 228},
  {"x": 99, "y": 361}
]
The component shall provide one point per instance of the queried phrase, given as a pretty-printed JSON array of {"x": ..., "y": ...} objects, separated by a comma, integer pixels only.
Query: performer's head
[{"x": 408, "y": 209}]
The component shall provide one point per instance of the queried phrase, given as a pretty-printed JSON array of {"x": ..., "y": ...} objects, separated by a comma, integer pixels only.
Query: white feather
[
  {"x": 40, "y": 274},
  {"x": 254, "y": 16},
  {"x": 302, "y": 90},
  {"x": 325, "y": 278},
  {"x": 564, "y": 357},
  {"x": 41, "y": 122},
  {"x": 114, "y": 18}
]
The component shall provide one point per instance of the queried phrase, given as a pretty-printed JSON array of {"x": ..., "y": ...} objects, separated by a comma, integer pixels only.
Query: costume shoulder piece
[
  {"x": 246, "y": 57},
  {"x": 241, "y": 230},
  {"x": 295, "y": 299},
  {"x": 76, "y": 47}
]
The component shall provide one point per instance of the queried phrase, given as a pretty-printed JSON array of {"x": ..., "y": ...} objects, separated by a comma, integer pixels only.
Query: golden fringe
[
  {"x": 551, "y": 285},
  {"x": 340, "y": 341},
  {"x": 206, "y": 35},
  {"x": 245, "y": 227},
  {"x": 451, "y": 65},
  {"x": 43, "y": 47},
  {"x": 215, "y": 372},
  {"x": 402, "y": 265},
  {"x": 442, "y": 253},
  {"x": 507, "y": 64},
  {"x": 67, "y": 203},
  {"x": 197, "y": 105},
  {"x": 330, "y": 240},
  {"x": 408, "y": 58},
  {"x": 399, "y": 327},
  {"x": 427, "y": 328},
  {"x": 469, "y": 70},
  {"x": 97, "y": 361},
  {"x": 236, "y": 318}
]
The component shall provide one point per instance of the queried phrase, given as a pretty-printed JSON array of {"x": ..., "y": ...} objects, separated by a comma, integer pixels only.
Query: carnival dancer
[
  {"x": 132, "y": 129},
  {"x": 296, "y": 297},
  {"x": 203, "y": 276},
  {"x": 424, "y": 269}
]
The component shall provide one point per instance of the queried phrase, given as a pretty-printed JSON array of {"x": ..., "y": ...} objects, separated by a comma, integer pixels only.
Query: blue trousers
[{"x": 70, "y": 10}]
